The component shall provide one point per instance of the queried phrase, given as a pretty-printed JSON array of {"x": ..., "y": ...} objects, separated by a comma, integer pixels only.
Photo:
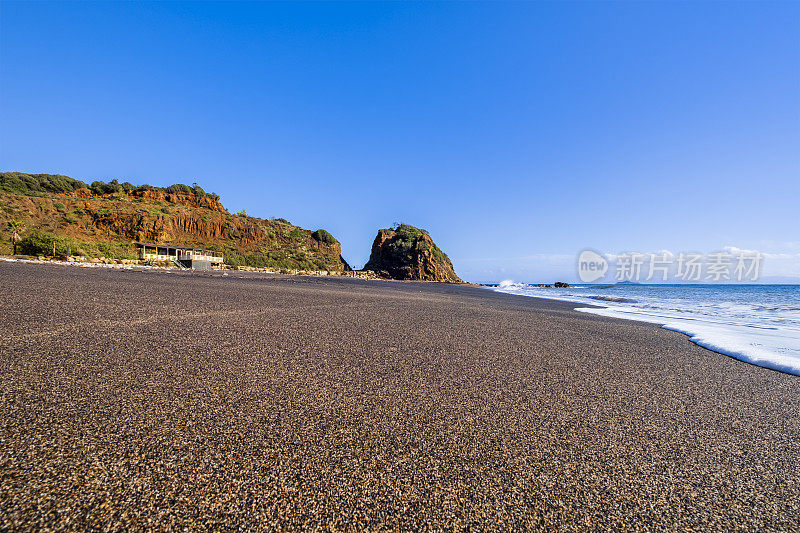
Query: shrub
[
  {"x": 439, "y": 255},
  {"x": 279, "y": 259},
  {"x": 101, "y": 187},
  {"x": 41, "y": 243},
  {"x": 404, "y": 239},
  {"x": 115, "y": 250},
  {"x": 59, "y": 206},
  {"x": 297, "y": 235},
  {"x": 195, "y": 189},
  {"x": 179, "y": 188},
  {"x": 41, "y": 184},
  {"x": 409, "y": 233},
  {"x": 323, "y": 236},
  {"x": 233, "y": 259},
  {"x": 37, "y": 184},
  {"x": 401, "y": 249}
]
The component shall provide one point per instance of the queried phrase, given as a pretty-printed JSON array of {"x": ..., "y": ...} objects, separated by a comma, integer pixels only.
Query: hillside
[
  {"x": 103, "y": 219},
  {"x": 409, "y": 253}
]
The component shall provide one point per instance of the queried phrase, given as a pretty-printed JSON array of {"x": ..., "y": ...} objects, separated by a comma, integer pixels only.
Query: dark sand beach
[{"x": 136, "y": 399}]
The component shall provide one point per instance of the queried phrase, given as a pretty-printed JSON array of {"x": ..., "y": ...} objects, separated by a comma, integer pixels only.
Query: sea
[{"x": 759, "y": 324}]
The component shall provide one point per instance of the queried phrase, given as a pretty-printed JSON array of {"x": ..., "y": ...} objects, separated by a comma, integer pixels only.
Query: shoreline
[
  {"x": 351, "y": 274},
  {"x": 291, "y": 401},
  {"x": 755, "y": 344}
]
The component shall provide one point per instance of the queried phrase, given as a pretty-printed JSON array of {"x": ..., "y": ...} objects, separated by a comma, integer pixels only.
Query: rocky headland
[{"x": 408, "y": 253}]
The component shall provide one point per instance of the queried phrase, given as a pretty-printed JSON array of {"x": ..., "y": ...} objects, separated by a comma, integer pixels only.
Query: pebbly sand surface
[{"x": 153, "y": 400}]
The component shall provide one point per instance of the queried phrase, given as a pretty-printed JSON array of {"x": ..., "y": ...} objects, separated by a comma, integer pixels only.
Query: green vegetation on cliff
[
  {"x": 323, "y": 236},
  {"x": 47, "y": 210},
  {"x": 39, "y": 184},
  {"x": 44, "y": 243}
]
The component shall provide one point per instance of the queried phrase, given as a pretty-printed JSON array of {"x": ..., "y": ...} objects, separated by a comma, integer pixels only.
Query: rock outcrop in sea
[{"x": 409, "y": 253}]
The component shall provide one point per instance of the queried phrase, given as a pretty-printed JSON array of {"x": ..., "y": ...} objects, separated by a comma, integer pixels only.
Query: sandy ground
[{"x": 168, "y": 400}]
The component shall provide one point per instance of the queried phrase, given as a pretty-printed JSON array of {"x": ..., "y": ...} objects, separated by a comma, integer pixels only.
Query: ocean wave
[
  {"x": 511, "y": 284},
  {"x": 618, "y": 299},
  {"x": 758, "y": 325},
  {"x": 764, "y": 346}
]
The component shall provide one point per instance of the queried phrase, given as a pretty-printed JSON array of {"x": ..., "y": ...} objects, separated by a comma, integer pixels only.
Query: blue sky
[{"x": 518, "y": 134}]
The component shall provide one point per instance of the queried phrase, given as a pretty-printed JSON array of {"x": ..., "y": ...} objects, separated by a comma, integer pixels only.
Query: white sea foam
[{"x": 759, "y": 324}]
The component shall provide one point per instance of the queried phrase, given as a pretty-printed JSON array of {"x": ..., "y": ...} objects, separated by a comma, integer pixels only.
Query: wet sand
[{"x": 168, "y": 400}]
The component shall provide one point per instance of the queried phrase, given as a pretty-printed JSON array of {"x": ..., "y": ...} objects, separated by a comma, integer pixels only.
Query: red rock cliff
[{"x": 409, "y": 253}]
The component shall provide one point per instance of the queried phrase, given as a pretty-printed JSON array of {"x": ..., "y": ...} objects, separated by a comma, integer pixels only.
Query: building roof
[{"x": 175, "y": 247}]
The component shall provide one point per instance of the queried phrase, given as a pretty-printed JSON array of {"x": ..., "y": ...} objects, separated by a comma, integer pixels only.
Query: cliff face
[
  {"x": 409, "y": 253},
  {"x": 156, "y": 216}
]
